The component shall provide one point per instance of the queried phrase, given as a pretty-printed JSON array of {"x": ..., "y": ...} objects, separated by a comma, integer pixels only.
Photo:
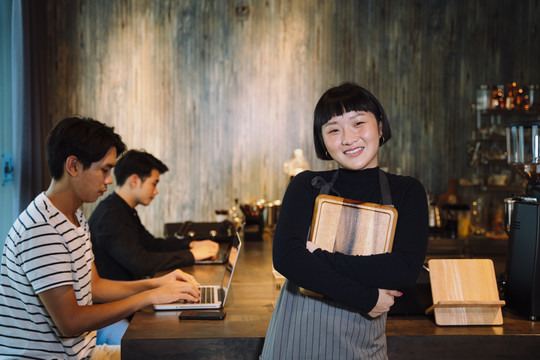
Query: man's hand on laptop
[
  {"x": 175, "y": 290},
  {"x": 174, "y": 286},
  {"x": 178, "y": 275},
  {"x": 204, "y": 249}
]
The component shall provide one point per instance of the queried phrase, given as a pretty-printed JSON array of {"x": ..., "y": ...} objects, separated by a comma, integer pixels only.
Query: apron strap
[
  {"x": 325, "y": 187},
  {"x": 385, "y": 189}
]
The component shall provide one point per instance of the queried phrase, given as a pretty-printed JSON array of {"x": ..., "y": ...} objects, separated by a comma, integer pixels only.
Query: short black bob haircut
[
  {"x": 137, "y": 162},
  {"x": 342, "y": 99},
  {"x": 87, "y": 139}
]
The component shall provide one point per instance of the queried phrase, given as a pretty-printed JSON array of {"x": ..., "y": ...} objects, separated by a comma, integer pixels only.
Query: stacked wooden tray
[{"x": 351, "y": 227}]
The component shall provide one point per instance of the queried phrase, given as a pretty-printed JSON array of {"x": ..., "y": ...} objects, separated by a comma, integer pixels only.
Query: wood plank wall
[{"x": 223, "y": 91}]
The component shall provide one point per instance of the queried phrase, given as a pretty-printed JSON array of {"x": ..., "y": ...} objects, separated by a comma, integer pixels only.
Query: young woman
[{"x": 349, "y": 322}]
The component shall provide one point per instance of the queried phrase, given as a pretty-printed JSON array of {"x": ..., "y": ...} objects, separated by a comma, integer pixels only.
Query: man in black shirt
[{"x": 123, "y": 248}]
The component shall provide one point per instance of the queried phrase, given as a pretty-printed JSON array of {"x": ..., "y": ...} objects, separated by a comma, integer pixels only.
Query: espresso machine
[{"x": 522, "y": 287}]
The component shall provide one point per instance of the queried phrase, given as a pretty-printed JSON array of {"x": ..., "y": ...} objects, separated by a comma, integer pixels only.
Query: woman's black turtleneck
[{"x": 352, "y": 280}]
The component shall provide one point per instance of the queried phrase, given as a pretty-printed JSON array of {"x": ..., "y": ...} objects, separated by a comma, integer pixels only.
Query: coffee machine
[{"x": 522, "y": 287}]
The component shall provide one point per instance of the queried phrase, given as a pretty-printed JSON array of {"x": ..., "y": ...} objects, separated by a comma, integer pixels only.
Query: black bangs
[{"x": 343, "y": 99}]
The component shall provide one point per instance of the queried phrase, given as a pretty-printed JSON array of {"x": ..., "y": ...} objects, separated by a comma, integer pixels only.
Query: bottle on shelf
[
  {"x": 478, "y": 216},
  {"x": 450, "y": 196},
  {"x": 483, "y": 98},
  {"x": 497, "y": 97},
  {"x": 511, "y": 93},
  {"x": 533, "y": 97},
  {"x": 500, "y": 96},
  {"x": 520, "y": 98},
  {"x": 449, "y": 204},
  {"x": 435, "y": 223}
]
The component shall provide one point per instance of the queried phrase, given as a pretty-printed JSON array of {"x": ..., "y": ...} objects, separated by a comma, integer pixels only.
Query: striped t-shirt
[{"x": 43, "y": 250}]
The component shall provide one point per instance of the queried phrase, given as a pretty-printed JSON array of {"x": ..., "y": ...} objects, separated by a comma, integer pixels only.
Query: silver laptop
[{"x": 212, "y": 296}]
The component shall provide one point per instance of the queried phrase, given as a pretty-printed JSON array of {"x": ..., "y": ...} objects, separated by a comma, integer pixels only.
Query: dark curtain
[{"x": 30, "y": 123}]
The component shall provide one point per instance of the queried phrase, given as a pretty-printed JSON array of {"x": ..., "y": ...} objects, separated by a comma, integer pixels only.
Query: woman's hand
[
  {"x": 384, "y": 303},
  {"x": 311, "y": 246}
]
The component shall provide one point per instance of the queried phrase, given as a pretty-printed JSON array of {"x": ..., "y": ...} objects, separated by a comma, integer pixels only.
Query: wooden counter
[
  {"x": 249, "y": 306},
  {"x": 161, "y": 335}
]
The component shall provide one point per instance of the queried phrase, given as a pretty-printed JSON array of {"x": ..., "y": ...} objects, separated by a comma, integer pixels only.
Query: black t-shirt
[
  {"x": 347, "y": 279},
  {"x": 125, "y": 250}
]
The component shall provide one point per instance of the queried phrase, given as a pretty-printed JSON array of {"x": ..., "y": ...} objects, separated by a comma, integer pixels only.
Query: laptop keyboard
[{"x": 207, "y": 295}]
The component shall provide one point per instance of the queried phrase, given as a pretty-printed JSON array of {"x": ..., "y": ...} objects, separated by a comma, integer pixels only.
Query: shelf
[
  {"x": 487, "y": 149},
  {"x": 488, "y": 138},
  {"x": 496, "y": 188},
  {"x": 510, "y": 113}
]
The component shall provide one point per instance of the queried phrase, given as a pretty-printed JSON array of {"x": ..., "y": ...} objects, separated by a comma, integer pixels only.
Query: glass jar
[
  {"x": 483, "y": 98},
  {"x": 478, "y": 216},
  {"x": 534, "y": 97}
]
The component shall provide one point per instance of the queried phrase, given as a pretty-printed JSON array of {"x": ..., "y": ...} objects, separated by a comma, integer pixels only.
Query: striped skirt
[{"x": 303, "y": 327}]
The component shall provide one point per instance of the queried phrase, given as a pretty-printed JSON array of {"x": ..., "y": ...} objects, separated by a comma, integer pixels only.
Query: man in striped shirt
[{"x": 51, "y": 297}]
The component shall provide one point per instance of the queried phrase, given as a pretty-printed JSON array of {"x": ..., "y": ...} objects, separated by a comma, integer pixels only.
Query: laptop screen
[{"x": 231, "y": 264}]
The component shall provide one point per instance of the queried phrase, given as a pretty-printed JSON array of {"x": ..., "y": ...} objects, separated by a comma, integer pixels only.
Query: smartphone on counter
[{"x": 202, "y": 315}]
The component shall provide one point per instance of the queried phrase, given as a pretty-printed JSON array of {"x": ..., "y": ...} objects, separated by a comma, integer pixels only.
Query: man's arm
[
  {"x": 120, "y": 240},
  {"x": 104, "y": 290},
  {"x": 71, "y": 319}
]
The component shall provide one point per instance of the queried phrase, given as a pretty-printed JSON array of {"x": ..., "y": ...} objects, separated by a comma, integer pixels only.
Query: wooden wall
[{"x": 223, "y": 91}]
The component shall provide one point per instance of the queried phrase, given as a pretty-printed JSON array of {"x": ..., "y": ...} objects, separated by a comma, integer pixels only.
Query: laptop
[
  {"x": 205, "y": 231},
  {"x": 221, "y": 258},
  {"x": 212, "y": 296}
]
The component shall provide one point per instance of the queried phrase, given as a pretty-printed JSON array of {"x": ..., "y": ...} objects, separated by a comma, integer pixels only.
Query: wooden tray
[
  {"x": 351, "y": 227},
  {"x": 464, "y": 292}
]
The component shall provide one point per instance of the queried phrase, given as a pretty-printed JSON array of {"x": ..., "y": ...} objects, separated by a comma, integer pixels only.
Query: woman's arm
[{"x": 400, "y": 268}]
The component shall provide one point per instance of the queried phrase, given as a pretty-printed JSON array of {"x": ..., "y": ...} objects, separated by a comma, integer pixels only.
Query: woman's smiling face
[{"x": 352, "y": 139}]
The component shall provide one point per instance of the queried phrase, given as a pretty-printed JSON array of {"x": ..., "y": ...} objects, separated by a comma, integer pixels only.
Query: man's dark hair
[
  {"x": 137, "y": 162},
  {"x": 87, "y": 139}
]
